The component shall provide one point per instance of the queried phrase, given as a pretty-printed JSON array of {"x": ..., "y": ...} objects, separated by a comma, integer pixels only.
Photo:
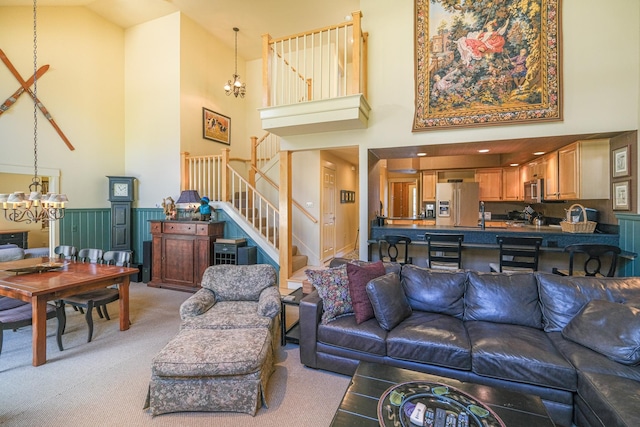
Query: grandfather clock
[{"x": 121, "y": 196}]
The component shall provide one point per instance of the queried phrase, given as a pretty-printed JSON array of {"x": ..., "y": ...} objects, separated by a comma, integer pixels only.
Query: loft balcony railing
[{"x": 319, "y": 64}]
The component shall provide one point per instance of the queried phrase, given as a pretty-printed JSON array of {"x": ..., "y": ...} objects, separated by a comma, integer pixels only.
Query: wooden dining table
[{"x": 73, "y": 277}]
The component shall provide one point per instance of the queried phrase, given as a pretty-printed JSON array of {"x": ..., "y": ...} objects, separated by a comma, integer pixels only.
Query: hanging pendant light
[
  {"x": 235, "y": 86},
  {"x": 34, "y": 207}
]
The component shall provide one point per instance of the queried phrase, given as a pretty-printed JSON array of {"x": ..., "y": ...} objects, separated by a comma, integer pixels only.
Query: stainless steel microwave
[{"x": 534, "y": 191}]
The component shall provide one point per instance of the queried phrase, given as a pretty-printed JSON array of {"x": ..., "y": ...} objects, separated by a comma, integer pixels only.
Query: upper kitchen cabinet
[
  {"x": 490, "y": 181},
  {"x": 550, "y": 162},
  {"x": 583, "y": 170},
  {"x": 429, "y": 179},
  {"x": 511, "y": 186}
]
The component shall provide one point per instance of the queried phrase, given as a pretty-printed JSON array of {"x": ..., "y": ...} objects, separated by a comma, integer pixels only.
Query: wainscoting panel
[
  {"x": 630, "y": 241},
  {"x": 142, "y": 229},
  {"x": 86, "y": 228}
]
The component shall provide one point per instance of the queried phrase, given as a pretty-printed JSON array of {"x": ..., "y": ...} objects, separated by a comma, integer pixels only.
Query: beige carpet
[{"x": 104, "y": 383}]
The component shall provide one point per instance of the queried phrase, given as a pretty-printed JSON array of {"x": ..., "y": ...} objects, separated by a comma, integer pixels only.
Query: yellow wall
[{"x": 83, "y": 90}]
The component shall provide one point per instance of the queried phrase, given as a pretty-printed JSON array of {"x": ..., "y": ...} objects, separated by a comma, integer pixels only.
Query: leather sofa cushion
[
  {"x": 388, "y": 300},
  {"x": 437, "y": 339},
  {"x": 518, "y": 353},
  {"x": 587, "y": 360},
  {"x": 609, "y": 328},
  {"x": 503, "y": 298},
  {"x": 613, "y": 400},
  {"x": 434, "y": 291},
  {"x": 562, "y": 298},
  {"x": 344, "y": 332}
]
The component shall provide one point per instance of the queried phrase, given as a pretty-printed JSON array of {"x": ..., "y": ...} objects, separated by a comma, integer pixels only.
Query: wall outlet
[
  {"x": 309, "y": 205},
  {"x": 487, "y": 215}
]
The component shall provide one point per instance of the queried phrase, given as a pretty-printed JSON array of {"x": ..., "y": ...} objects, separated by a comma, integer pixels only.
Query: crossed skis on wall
[{"x": 25, "y": 86}]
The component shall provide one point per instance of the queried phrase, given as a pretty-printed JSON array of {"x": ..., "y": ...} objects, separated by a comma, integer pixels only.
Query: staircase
[{"x": 213, "y": 175}]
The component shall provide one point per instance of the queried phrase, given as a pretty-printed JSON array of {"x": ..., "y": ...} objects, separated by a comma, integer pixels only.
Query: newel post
[
  {"x": 254, "y": 161},
  {"x": 184, "y": 171}
]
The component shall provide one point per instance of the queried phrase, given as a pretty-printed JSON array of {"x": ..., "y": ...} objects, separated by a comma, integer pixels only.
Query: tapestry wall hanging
[{"x": 486, "y": 63}]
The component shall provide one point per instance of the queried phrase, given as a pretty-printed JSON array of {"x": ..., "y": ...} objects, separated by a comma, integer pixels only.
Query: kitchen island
[{"x": 480, "y": 245}]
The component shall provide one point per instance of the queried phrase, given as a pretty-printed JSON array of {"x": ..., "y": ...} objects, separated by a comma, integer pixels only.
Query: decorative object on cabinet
[
  {"x": 216, "y": 127},
  {"x": 121, "y": 198},
  {"x": 622, "y": 195},
  {"x": 169, "y": 208},
  {"x": 191, "y": 198},
  {"x": 494, "y": 74},
  {"x": 620, "y": 158},
  {"x": 181, "y": 251}
]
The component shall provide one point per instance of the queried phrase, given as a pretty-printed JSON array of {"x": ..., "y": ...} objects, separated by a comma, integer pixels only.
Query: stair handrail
[{"x": 238, "y": 185}]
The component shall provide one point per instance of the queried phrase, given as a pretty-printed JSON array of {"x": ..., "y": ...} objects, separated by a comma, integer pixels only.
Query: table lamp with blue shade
[{"x": 191, "y": 199}]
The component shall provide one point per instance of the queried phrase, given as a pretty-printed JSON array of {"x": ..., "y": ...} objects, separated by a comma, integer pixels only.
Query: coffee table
[{"x": 359, "y": 405}]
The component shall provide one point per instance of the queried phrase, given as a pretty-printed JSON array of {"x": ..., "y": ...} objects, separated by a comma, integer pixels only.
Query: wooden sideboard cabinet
[
  {"x": 16, "y": 237},
  {"x": 182, "y": 251}
]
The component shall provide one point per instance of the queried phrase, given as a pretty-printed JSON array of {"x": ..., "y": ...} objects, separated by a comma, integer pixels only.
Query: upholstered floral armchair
[{"x": 233, "y": 297}]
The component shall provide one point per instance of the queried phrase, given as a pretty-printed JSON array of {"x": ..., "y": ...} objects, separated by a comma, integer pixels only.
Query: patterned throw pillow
[
  {"x": 359, "y": 276},
  {"x": 333, "y": 287}
]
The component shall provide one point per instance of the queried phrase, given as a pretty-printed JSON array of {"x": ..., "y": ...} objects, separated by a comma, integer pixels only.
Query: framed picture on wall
[
  {"x": 216, "y": 126},
  {"x": 621, "y": 196},
  {"x": 620, "y": 158}
]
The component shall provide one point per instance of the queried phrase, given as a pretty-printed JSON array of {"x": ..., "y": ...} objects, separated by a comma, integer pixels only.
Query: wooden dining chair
[
  {"x": 98, "y": 298},
  {"x": 596, "y": 256},
  {"x": 517, "y": 254},
  {"x": 444, "y": 250},
  {"x": 394, "y": 248}
]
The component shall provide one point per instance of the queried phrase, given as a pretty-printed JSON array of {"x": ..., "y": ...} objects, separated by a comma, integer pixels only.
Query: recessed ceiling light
[
  {"x": 538, "y": 153},
  {"x": 484, "y": 150},
  {"x": 421, "y": 154},
  {"x": 513, "y": 164}
]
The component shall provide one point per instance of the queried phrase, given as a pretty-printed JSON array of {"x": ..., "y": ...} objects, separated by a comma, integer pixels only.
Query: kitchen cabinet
[
  {"x": 550, "y": 162},
  {"x": 583, "y": 170},
  {"x": 429, "y": 179},
  {"x": 182, "y": 251},
  {"x": 490, "y": 181},
  {"x": 511, "y": 184}
]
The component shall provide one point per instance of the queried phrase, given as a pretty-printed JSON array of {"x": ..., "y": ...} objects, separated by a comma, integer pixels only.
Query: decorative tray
[
  {"x": 38, "y": 268},
  {"x": 446, "y": 406}
]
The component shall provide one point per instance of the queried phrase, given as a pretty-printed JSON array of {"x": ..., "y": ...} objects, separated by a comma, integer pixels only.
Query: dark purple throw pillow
[{"x": 359, "y": 276}]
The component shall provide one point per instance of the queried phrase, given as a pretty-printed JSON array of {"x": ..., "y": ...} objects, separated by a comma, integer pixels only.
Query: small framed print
[
  {"x": 620, "y": 158},
  {"x": 621, "y": 196},
  {"x": 216, "y": 126}
]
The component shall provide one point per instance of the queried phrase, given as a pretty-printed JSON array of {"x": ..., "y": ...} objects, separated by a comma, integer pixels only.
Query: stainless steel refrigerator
[{"x": 457, "y": 204}]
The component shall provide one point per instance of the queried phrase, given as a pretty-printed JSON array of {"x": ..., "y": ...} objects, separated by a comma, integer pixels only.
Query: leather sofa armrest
[
  {"x": 310, "y": 313},
  {"x": 197, "y": 304}
]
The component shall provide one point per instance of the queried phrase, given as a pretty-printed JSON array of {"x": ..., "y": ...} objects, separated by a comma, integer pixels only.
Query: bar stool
[
  {"x": 596, "y": 254},
  {"x": 517, "y": 254},
  {"x": 390, "y": 252},
  {"x": 445, "y": 251}
]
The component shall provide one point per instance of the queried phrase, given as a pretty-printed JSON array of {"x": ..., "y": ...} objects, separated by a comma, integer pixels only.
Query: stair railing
[{"x": 314, "y": 65}]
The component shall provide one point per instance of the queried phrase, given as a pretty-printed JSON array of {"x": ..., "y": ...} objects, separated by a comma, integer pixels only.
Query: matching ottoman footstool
[{"x": 212, "y": 370}]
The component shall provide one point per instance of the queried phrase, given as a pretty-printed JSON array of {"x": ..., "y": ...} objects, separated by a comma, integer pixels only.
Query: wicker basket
[{"x": 585, "y": 226}]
